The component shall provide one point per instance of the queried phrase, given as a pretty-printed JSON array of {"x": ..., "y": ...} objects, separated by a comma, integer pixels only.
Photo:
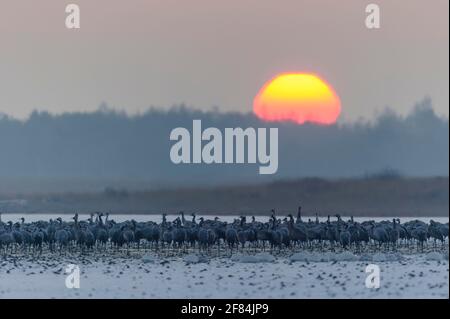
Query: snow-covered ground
[{"x": 406, "y": 276}]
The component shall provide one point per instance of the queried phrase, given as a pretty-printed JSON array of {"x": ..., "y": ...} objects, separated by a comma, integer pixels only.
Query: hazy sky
[{"x": 205, "y": 53}]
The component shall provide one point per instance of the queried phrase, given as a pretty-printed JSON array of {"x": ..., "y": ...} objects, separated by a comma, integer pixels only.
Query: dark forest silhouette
[{"x": 111, "y": 145}]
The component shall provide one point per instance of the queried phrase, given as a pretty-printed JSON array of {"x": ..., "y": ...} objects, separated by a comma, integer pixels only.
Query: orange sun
[{"x": 297, "y": 97}]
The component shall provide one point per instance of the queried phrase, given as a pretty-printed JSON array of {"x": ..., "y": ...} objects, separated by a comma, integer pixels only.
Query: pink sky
[{"x": 208, "y": 53}]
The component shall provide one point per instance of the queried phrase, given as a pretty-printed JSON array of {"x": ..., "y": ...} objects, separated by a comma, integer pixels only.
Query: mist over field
[
  {"x": 91, "y": 151},
  {"x": 374, "y": 196}
]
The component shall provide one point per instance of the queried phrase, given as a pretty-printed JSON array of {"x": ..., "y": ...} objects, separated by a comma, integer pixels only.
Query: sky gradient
[{"x": 219, "y": 53}]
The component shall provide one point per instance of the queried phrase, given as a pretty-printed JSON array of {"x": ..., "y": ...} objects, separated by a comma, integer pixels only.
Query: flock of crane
[{"x": 100, "y": 233}]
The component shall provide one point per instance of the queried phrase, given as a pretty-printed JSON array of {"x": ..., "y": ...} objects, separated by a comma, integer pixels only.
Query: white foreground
[{"x": 415, "y": 276}]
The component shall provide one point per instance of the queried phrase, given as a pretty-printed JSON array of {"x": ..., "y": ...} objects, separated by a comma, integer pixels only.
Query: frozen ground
[
  {"x": 304, "y": 275},
  {"x": 406, "y": 276}
]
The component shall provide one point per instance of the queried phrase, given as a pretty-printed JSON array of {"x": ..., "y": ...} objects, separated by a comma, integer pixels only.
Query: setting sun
[{"x": 297, "y": 97}]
